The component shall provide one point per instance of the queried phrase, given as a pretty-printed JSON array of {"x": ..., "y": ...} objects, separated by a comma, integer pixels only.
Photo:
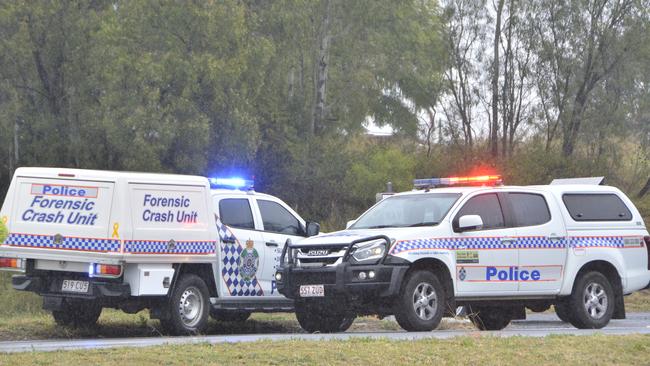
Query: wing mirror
[
  {"x": 470, "y": 222},
  {"x": 312, "y": 228}
]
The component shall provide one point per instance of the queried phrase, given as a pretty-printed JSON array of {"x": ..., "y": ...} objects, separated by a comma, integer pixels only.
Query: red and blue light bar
[{"x": 479, "y": 180}]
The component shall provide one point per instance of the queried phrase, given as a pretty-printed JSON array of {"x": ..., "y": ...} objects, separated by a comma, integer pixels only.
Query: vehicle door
[
  {"x": 241, "y": 258},
  {"x": 485, "y": 257},
  {"x": 279, "y": 223},
  {"x": 541, "y": 240}
]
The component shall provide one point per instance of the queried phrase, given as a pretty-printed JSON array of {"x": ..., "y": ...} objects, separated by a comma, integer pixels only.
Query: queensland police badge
[{"x": 248, "y": 261}]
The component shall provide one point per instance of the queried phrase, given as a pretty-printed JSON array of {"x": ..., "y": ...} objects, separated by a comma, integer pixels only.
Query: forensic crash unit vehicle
[
  {"x": 184, "y": 247},
  {"x": 496, "y": 250}
]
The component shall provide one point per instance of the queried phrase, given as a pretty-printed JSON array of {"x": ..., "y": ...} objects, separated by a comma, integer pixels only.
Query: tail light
[
  {"x": 12, "y": 264},
  {"x": 109, "y": 270},
  {"x": 647, "y": 248}
]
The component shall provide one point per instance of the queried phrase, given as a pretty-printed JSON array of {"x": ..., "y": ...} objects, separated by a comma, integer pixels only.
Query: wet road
[{"x": 537, "y": 325}]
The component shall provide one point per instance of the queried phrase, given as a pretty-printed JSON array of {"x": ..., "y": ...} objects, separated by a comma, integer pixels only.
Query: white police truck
[
  {"x": 182, "y": 246},
  {"x": 469, "y": 241}
]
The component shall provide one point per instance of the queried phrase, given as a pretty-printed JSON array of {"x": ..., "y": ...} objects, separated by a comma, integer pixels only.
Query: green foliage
[{"x": 3, "y": 231}]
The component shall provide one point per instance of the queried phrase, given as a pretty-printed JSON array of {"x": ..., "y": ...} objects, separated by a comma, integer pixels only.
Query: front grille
[{"x": 319, "y": 257}]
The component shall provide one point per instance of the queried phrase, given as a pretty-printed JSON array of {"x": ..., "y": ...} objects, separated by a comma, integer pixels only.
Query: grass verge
[{"x": 551, "y": 350}]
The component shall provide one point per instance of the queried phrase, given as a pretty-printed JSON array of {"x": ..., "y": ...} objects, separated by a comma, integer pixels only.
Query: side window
[
  {"x": 236, "y": 212},
  {"x": 596, "y": 207},
  {"x": 277, "y": 219},
  {"x": 529, "y": 209},
  {"x": 488, "y": 207}
]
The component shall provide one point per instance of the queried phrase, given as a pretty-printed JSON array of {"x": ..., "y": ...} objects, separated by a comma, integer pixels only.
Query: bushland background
[{"x": 287, "y": 90}]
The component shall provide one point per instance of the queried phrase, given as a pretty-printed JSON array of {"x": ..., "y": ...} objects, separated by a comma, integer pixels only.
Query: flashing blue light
[{"x": 237, "y": 183}]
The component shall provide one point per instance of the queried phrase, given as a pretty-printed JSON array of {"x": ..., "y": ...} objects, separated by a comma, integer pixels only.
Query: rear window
[
  {"x": 236, "y": 213},
  {"x": 596, "y": 207},
  {"x": 529, "y": 209}
]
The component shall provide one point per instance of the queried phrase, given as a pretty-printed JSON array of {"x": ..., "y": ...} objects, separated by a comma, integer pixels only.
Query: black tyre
[
  {"x": 421, "y": 302},
  {"x": 188, "y": 307},
  {"x": 591, "y": 303},
  {"x": 79, "y": 313},
  {"x": 563, "y": 312},
  {"x": 230, "y": 315},
  {"x": 490, "y": 317},
  {"x": 314, "y": 316}
]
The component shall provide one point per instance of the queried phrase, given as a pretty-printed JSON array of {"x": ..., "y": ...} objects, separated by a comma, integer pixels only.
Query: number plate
[
  {"x": 312, "y": 291},
  {"x": 74, "y": 286}
]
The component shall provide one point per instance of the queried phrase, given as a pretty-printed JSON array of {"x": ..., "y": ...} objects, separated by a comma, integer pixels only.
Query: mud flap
[{"x": 519, "y": 313}]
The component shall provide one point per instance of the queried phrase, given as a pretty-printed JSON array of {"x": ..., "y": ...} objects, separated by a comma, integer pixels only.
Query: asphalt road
[{"x": 537, "y": 325}]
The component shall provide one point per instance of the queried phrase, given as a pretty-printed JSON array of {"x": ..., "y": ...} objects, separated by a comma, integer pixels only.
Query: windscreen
[{"x": 408, "y": 211}]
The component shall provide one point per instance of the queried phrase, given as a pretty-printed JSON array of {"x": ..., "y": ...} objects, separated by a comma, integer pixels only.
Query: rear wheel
[
  {"x": 316, "y": 316},
  {"x": 230, "y": 315},
  {"x": 490, "y": 317},
  {"x": 77, "y": 313},
  {"x": 563, "y": 312},
  {"x": 421, "y": 301},
  {"x": 591, "y": 304},
  {"x": 188, "y": 307}
]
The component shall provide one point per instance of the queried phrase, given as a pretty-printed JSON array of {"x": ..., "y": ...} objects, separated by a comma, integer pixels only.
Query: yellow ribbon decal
[
  {"x": 116, "y": 227},
  {"x": 5, "y": 219}
]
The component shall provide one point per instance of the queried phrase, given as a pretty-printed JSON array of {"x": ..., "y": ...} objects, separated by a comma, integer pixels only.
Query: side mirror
[
  {"x": 312, "y": 228},
  {"x": 350, "y": 223},
  {"x": 470, "y": 222}
]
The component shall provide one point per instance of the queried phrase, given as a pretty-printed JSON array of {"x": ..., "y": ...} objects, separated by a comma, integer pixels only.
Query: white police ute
[
  {"x": 185, "y": 247},
  {"x": 469, "y": 241}
]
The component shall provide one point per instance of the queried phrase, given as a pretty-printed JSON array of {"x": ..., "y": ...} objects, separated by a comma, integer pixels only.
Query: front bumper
[
  {"x": 342, "y": 280},
  {"x": 51, "y": 287}
]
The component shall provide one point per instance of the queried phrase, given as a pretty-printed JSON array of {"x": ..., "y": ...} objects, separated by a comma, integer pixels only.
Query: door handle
[
  {"x": 271, "y": 244},
  {"x": 555, "y": 238},
  {"x": 229, "y": 240}
]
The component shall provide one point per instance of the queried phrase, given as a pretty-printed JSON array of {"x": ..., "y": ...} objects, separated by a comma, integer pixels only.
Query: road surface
[{"x": 537, "y": 325}]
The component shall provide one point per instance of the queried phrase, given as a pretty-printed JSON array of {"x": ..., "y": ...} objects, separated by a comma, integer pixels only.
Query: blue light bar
[{"x": 235, "y": 182}]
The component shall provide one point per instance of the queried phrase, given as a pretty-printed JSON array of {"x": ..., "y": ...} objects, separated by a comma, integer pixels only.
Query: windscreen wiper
[{"x": 431, "y": 223}]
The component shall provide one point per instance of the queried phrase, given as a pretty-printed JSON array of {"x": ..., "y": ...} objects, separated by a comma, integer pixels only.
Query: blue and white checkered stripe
[
  {"x": 163, "y": 247},
  {"x": 230, "y": 253},
  {"x": 597, "y": 241},
  {"x": 477, "y": 243},
  {"x": 47, "y": 242}
]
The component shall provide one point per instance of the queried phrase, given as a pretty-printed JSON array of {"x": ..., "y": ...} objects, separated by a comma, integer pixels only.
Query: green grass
[{"x": 552, "y": 350}]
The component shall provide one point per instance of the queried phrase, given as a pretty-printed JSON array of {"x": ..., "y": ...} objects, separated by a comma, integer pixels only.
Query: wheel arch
[
  {"x": 610, "y": 271},
  {"x": 202, "y": 270},
  {"x": 441, "y": 269}
]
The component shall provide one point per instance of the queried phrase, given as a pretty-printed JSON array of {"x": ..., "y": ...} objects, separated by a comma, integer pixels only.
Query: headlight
[{"x": 371, "y": 251}]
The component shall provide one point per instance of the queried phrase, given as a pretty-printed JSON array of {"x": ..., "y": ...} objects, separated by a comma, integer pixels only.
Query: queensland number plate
[
  {"x": 74, "y": 286},
  {"x": 312, "y": 291}
]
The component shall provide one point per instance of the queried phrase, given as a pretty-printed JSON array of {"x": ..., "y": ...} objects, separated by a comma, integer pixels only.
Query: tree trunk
[
  {"x": 494, "y": 138},
  {"x": 644, "y": 190},
  {"x": 322, "y": 69}
]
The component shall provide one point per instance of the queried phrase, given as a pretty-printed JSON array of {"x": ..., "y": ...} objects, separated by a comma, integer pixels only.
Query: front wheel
[
  {"x": 188, "y": 307},
  {"x": 490, "y": 318},
  {"x": 319, "y": 317},
  {"x": 421, "y": 302},
  {"x": 591, "y": 304}
]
